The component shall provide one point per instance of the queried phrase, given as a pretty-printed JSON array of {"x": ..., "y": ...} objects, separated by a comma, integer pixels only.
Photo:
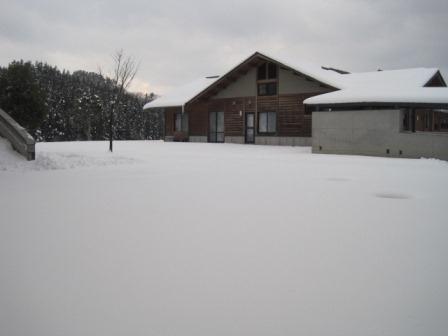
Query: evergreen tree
[
  {"x": 21, "y": 96},
  {"x": 77, "y": 105}
]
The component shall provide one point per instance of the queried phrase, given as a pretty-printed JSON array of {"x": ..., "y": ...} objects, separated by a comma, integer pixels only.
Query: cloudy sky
[{"x": 179, "y": 41}]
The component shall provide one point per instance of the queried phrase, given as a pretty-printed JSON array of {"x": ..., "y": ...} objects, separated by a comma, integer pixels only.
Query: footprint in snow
[{"x": 393, "y": 195}]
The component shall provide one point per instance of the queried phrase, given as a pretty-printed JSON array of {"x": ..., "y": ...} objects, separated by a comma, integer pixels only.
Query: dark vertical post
[{"x": 111, "y": 129}]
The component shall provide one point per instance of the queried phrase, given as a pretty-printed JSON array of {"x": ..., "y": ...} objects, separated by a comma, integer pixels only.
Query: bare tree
[{"x": 125, "y": 69}]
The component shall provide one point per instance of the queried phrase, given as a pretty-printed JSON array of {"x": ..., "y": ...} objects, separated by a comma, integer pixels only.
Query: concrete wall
[
  {"x": 245, "y": 86},
  {"x": 292, "y": 84},
  {"x": 373, "y": 132}
]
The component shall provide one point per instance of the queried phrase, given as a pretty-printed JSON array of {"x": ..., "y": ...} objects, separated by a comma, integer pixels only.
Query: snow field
[{"x": 220, "y": 239}]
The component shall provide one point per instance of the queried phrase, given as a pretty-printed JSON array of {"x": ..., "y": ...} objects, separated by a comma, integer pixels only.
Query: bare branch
[{"x": 125, "y": 69}]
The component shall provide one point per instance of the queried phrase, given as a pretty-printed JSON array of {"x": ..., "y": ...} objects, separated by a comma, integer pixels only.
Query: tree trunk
[{"x": 111, "y": 129}]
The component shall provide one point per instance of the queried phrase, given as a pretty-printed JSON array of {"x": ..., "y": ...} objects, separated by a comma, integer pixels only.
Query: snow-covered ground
[{"x": 219, "y": 239}]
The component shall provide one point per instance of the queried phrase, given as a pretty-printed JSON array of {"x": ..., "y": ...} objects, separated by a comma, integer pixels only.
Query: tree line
[{"x": 55, "y": 105}]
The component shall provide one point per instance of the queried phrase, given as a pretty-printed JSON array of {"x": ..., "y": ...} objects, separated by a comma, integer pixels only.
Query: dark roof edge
[{"x": 379, "y": 104}]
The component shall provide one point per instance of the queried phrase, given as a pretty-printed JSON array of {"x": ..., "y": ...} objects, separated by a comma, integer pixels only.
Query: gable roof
[
  {"x": 326, "y": 76},
  {"x": 189, "y": 92}
]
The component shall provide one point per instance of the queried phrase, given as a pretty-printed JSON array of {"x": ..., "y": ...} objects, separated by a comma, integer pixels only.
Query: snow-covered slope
[
  {"x": 8, "y": 157},
  {"x": 205, "y": 239}
]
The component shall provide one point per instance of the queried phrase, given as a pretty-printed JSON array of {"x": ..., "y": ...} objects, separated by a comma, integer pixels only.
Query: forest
[{"x": 56, "y": 105}]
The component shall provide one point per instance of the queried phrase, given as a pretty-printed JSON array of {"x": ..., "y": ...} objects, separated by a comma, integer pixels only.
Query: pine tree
[
  {"x": 21, "y": 96},
  {"x": 76, "y": 105}
]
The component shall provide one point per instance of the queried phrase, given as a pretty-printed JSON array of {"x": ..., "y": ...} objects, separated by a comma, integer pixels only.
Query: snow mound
[{"x": 12, "y": 161}]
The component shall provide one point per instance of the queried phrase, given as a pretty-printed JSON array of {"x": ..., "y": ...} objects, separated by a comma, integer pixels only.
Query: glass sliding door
[{"x": 216, "y": 127}]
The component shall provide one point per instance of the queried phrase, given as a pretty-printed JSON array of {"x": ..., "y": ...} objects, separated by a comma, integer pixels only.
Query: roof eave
[{"x": 375, "y": 103}]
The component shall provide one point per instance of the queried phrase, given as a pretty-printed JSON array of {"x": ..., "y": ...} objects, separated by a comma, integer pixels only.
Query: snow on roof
[
  {"x": 375, "y": 81},
  {"x": 403, "y": 78},
  {"x": 413, "y": 77},
  {"x": 422, "y": 95},
  {"x": 309, "y": 69},
  {"x": 182, "y": 94}
]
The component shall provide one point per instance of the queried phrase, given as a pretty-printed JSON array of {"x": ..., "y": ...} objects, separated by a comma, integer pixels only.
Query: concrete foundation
[
  {"x": 234, "y": 139},
  {"x": 282, "y": 141},
  {"x": 259, "y": 140},
  {"x": 374, "y": 133},
  {"x": 196, "y": 138}
]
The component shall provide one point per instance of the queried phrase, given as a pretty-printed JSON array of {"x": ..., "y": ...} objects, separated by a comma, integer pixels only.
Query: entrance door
[
  {"x": 250, "y": 128},
  {"x": 216, "y": 127}
]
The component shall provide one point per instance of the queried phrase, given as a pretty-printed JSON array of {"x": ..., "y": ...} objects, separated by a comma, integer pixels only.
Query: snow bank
[
  {"x": 223, "y": 239},
  {"x": 63, "y": 159}
]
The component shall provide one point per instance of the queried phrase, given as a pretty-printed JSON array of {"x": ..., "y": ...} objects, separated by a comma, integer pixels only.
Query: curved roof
[
  {"x": 419, "y": 95},
  {"x": 403, "y": 78}
]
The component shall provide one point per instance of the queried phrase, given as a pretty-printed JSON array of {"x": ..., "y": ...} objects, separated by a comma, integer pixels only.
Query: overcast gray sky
[{"x": 178, "y": 41}]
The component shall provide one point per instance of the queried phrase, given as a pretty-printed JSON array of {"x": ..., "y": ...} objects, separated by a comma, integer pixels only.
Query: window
[
  {"x": 262, "y": 72},
  {"x": 267, "y": 71},
  {"x": 216, "y": 127},
  {"x": 272, "y": 71},
  {"x": 444, "y": 124},
  {"x": 181, "y": 122},
  {"x": 406, "y": 120},
  {"x": 267, "y": 89},
  {"x": 267, "y": 122}
]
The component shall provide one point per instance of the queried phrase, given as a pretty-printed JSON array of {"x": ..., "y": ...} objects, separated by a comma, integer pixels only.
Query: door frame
[{"x": 246, "y": 127}]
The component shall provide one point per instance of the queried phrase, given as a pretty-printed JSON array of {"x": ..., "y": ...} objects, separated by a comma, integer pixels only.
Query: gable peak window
[
  {"x": 267, "y": 79},
  {"x": 267, "y": 71}
]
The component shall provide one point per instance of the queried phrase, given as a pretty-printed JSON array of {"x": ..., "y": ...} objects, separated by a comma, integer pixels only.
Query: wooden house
[{"x": 261, "y": 100}]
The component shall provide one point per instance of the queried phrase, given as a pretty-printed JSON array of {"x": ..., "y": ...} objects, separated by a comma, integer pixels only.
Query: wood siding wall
[
  {"x": 233, "y": 121},
  {"x": 198, "y": 119},
  {"x": 169, "y": 119},
  {"x": 291, "y": 118}
]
